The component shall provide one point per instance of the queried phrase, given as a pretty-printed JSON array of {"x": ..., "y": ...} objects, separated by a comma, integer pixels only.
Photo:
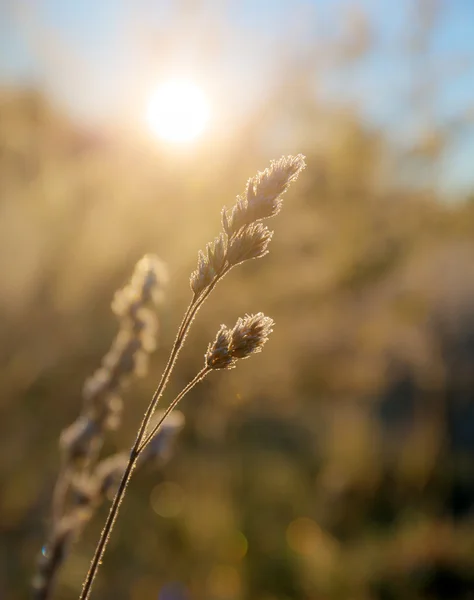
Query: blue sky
[{"x": 98, "y": 59}]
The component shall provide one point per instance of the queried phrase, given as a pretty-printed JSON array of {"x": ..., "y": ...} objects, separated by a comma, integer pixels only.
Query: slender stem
[
  {"x": 175, "y": 402},
  {"x": 190, "y": 313},
  {"x": 135, "y": 453},
  {"x": 108, "y": 526},
  {"x": 188, "y": 318}
]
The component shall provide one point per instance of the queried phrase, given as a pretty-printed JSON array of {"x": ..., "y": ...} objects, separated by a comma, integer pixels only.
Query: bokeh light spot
[
  {"x": 224, "y": 582},
  {"x": 167, "y": 499},
  {"x": 234, "y": 547},
  {"x": 303, "y": 536},
  {"x": 240, "y": 545}
]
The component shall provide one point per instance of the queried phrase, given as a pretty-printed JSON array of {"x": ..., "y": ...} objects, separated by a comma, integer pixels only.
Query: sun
[{"x": 178, "y": 111}]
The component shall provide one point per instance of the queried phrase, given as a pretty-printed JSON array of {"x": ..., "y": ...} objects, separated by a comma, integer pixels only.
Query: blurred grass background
[{"x": 339, "y": 463}]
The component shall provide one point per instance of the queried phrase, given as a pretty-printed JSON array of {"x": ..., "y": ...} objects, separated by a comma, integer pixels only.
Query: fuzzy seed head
[
  {"x": 146, "y": 285},
  {"x": 217, "y": 252},
  {"x": 202, "y": 276},
  {"x": 150, "y": 276},
  {"x": 218, "y": 355},
  {"x": 251, "y": 242},
  {"x": 264, "y": 190},
  {"x": 77, "y": 439},
  {"x": 210, "y": 263},
  {"x": 262, "y": 198},
  {"x": 238, "y": 217},
  {"x": 247, "y": 337},
  {"x": 250, "y": 334},
  {"x": 135, "y": 340}
]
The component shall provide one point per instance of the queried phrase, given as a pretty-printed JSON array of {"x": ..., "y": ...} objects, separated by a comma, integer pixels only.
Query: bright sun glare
[{"x": 178, "y": 111}]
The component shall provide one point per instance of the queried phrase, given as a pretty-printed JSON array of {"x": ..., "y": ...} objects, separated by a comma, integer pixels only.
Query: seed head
[
  {"x": 151, "y": 277},
  {"x": 76, "y": 440},
  {"x": 146, "y": 285},
  {"x": 218, "y": 354},
  {"x": 129, "y": 352},
  {"x": 210, "y": 263},
  {"x": 247, "y": 337},
  {"x": 202, "y": 276},
  {"x": 250, "y": 242},
  {"x": 250, "y": 334},
  {"x": 216, "y": 252},
  {"x": 262, "y": 198}
]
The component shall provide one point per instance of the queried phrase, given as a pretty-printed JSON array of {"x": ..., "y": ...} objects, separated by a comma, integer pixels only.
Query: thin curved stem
[
  {"x": 134, "y": 455},
  {"x": 104, "y": 536},
  {"x": 173, "y": 405},
  {"x": 188, "y": 318}
]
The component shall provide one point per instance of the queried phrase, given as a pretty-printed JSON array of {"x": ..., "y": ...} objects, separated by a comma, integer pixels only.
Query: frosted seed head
[
  {"x": 239, "y": 216},
  {"x": 217, "y": 253},
  {"x": 113, "y": 408},
  {"x": 218, "y": 355},
  {"x": 83, "y": 490},
  {"x": 96, "y": 385},
  {"x": 76, "y": 440},
  {"x": 150, "y": 277},
  {"x": 146, "y": 285},
  {"x": 249, "y": 335},
  {"x": 251, "y": 242},
  {"x": 202, "y": 277},
  {"x": 262, "y": 198},
  {"x": 225, "y": 220}
]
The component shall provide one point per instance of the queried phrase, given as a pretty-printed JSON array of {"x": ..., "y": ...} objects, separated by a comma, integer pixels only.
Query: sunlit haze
[
  {"x": 145, "y": 149},
  {"x": 178, "y": 111}
]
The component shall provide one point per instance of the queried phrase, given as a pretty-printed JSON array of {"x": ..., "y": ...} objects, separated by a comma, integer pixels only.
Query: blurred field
[{"x": 339, "y": 463}]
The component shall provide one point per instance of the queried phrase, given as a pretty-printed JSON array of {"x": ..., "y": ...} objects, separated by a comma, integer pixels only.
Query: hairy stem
[
  {"x": 104, "y": 537},
  {"x": 173, "y": 405},
  {"x": 194, "y": 306},
  {"x": 134, "y": 455}
]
